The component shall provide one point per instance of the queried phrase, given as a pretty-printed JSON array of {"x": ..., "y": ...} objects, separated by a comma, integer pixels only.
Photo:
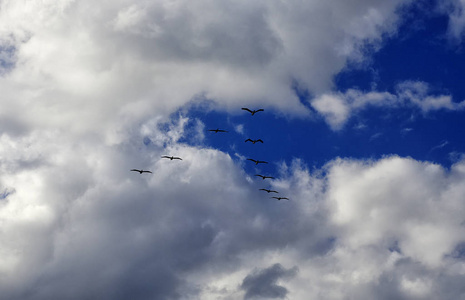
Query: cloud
[
  {"x": 384, "y": 214},
  {"x": 417, "y": 93},
  {"x": 455, "y": 11},
  {"x": 337, "y": 108},
  {"x": 88, "y": 93},
  {"x": 196, "y": 228},
  {"x": 334, "y": 109},
  {"x": 262, "y": 283},
  {"x": 239, "y": 129},
  {"x": 79, "y": 211},
  {"x": 116, "y": 64}
]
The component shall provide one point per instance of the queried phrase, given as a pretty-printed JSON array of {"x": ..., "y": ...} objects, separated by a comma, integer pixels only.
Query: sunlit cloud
[
  {"x": 337, "y": 108},
  {"x": 92, "y": 90}
]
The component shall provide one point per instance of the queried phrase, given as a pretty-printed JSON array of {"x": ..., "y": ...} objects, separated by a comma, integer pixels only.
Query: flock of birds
[{"x": 253, "y": 112}]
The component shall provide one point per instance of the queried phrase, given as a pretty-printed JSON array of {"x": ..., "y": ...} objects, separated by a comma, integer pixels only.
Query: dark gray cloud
[{"x": 263, "y": 283}]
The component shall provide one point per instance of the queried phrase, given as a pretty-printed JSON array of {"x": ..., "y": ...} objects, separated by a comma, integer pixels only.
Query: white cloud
[
  {"x": 417, "y": 93},
  {"x": 197, "y": 227},
  {"x": 87, "y": 91},
  {"x": 239, "y": 129},
  {"x": 334, "y": 109},
  {"x": 337, "y": 108},
  {"x": 455, "y": 10},
  {"x": 116, "y": 62}
]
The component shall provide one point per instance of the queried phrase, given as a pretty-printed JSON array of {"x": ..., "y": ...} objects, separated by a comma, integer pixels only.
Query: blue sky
[{"x": 363, "y": 128}]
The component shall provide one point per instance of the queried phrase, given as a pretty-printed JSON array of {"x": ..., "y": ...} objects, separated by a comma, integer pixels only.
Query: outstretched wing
[
  {"x": 252, "y": 160},
  {"x": 213, "y": 130},
  {"x": 261, "y": 109},
  {"x": 245, "y": 108},
  {"x": 166, "y": 156},
  {"x": 221, "y": 130},
  {"x": 264, "y": 190},
  {"x": 146, "y": 172},
  {"x": 271, "y": 177},
  {"x": 259, "y": 175},
  {"x": 135, "y": 170},
  {"x": 248, "y": 140},
  {"x": 262, "y": 162},
  {"x": 177, "y": 158},
  {"x": 259, "y": 140},
  {"x": 274, "y": 192},
  {"x": 276, "y": 198}
]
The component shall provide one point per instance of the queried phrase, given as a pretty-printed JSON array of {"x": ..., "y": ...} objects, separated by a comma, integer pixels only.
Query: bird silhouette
[
  {"x": 254, "y": 141},
  {"x": 140, "y": 171},
  {"x": 269, "y": 191},
  {"x": 264, "y": 177},
  {"x": 171, "y": 157},
  {"x": 253, "y": 112},
  {"x": 257, "y": 161},
  {"x": 280, "y": 198},
  {"x": 217, "y": 130}
]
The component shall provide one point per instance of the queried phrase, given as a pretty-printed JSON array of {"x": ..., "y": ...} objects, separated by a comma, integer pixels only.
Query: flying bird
[
  {"x": 171, "y": 157},
  {"x": 140, "y": 171},
  {"x": 257, "y": 161},
  {"x": 269, "y": 191},
  {"x": 264, "y": 177},
  {"x": 280, "y": 198},
  {"x": 254, "y": 141},
  {"x": 217, "y": 130},
  {"x": 253, "y": 112}
]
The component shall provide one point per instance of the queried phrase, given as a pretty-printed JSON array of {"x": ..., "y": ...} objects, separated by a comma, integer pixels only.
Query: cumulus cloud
[
  {"x": 334, "y": 109},
  {"x": 114, "y": 63},
  {"x": 79, "y": 225},
  {"x": 383, "y": 215},
  {"x": 337, "y": 108},
  {"x": 88, "y": 93}
]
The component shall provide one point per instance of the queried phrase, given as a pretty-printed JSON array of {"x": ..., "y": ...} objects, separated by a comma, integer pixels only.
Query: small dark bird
[
  {"x": 171, "y": 157},
  {"x": 140, "y": 171},
  {"x": 280, "y": 198},
  {"x": 264, "y": 177},
  {"x": 257, "y": 161},
  {"x": 269, "y": 191},
  {"x": 253, "y": 112},
  {"x": 254, "y": 141},
  {"x": 217, "y": 130}
]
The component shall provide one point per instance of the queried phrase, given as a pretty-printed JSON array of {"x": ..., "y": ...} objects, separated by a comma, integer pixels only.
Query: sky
[{"x": 363, "y": 127}]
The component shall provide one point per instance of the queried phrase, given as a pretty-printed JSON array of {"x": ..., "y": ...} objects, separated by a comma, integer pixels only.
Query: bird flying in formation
[
  {"x": 217, "y": 130},
  {"x": 257, "y": 161},
  {"x": 264, "y": 177},
  {"x": 171, "y": 157},
  {"x": 269, "y": 191},
  {"x": 254, "y": 141},
  {"x": 253, "y": 112},
  {"x": 140, "y": 171},
  {"x": 280, "y": 198}
]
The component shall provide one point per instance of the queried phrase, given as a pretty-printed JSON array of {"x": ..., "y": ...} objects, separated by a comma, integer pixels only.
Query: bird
[
  {"x": 269, "y": 191},
  {"x": 253, "y": 112},
  {"x": 171, "y": 157},
  {"x": 257, "y": 161},
  {"x": 264, "y": 177},
  {"x": 280, "y": 198},
  {"x": 217, "y": 130},
  {"x": 140, "y": 171},
  {"x": 254, "y": 141}
]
